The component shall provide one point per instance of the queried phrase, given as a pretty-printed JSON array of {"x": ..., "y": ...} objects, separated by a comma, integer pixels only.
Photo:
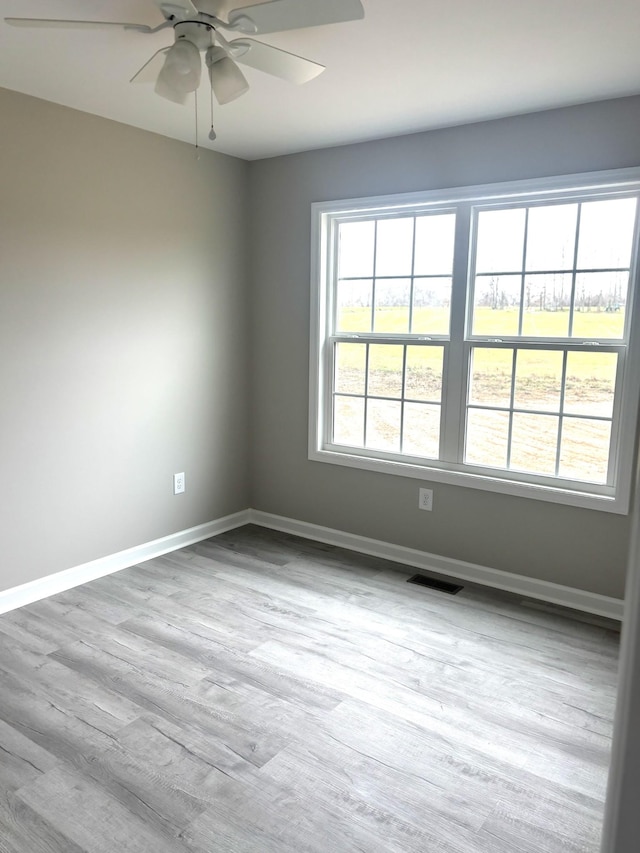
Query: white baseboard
[
  {"x": 553, "y": 593},
  {"x": 27, "y": 593}
]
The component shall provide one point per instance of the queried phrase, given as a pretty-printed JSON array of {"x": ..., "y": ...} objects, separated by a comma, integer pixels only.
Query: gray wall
[
  {"x": 579, "y": 548},
  {"x": 124, "y": 329},
  {"x": 122, "y": 337},
  {"x": 622, "y": 821}
]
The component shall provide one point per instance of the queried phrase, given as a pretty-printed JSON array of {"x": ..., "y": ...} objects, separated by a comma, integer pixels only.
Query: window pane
[
  {"x": 431, "y": 306},
  {"x": 606, "y": 233},
  {"x": 500, "y": 241},
  {"x": 392, "y": 305},
  {"x": 385, "y": 370},
  {"x": 421, "y": 435},
  {"x": 540, "y": 297},
  {"x": 496, "y": 309},
  {"x": 584, "y": 453},
  {"x": 534, "y": 443},
  {"x": 423, "y": 379},
  {"x": 354, "y": 306},
  {"x": 351, "y": 360},
  {"x": 491, "y": 371},
  {"x": 434, "y": 244},
  {"x": 551, "y": 237},
  {"x": 394, "y": 247},
  {"x": 547, "y": 303},
  {"x": 383, "y": 425},
  {"x": 356, "y": 242},
  {"x": 600, "y": 305},
  {"x": 590, "y": 383},
  {"x": 487, "y": 438},
  {"x": 348, "y": 421},
  {"x": 538, "y": 380}
]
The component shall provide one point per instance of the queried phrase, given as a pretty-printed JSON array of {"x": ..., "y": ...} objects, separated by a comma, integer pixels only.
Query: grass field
[
  {"x": 592, "y": 367},
  {"x": 588, "y": 390},
  {"x": 588, "y": 325}
]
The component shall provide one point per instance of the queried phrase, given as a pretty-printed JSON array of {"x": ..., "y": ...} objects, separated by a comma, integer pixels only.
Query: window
[{"x": 481, "y": 336}]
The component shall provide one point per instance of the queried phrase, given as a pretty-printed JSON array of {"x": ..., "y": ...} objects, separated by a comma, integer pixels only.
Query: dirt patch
[{"x": 585, "y": 444}]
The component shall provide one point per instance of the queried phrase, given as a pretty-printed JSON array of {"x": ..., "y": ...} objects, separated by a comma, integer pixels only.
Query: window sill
[{"x": 569, "y": 497}]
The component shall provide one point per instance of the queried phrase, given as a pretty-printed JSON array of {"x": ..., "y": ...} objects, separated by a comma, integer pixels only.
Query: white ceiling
[{"x": 410, "y": 65}]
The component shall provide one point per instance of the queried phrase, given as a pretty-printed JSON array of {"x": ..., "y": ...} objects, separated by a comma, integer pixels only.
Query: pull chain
[
  {"x": 197, "y": 147},
  {"x": 212, "y": 133}
]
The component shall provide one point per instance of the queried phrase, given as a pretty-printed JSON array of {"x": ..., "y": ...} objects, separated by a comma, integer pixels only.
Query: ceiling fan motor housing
[{"x": 197, "y": 32}]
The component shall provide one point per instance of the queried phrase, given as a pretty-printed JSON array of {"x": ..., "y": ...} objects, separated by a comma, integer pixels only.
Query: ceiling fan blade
[
  {"x": 152, "y": 68},
  {"x": 278, "y": 15},
  {"x": 227, "y": 81},
  {"x": 179, "y": 8},
  {"x": 47, "y": 22},
  {"x": 274, "y": 61}
]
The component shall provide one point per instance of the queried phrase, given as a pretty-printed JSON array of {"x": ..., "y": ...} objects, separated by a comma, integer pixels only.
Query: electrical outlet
[
  {"x": 178, "y": 483},
  {"x": 425, "y": 499}
]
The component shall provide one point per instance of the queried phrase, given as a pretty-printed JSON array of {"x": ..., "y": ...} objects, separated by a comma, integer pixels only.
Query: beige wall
[
  {"x": 122, "y": 337},
  {"x": 579, "y": 548}
]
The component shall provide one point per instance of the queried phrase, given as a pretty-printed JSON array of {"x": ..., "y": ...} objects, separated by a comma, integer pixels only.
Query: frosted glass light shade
[
  {"x": 227, "y": 81},
  {"x": 180, "y": 73}
]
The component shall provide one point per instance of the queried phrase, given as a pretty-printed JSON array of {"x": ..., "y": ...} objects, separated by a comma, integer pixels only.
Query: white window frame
[{"x": 614, "y": 497}]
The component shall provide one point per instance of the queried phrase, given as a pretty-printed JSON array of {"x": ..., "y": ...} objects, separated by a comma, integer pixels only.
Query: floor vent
[{"x": 432, "y": 583}]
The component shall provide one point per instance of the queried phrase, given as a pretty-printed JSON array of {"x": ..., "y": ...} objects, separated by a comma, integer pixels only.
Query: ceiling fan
[{"x": 176, "y": 70}]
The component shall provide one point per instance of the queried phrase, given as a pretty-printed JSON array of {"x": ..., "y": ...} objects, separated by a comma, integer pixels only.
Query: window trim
[{"x": 322, "y": 262}]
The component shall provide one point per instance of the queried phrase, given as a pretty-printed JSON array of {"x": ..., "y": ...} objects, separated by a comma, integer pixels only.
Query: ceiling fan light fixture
[
  {"x": 176, "y": 70},
  {"x": 180, "y": 73},
  {"x": 165, "y": 89},
  {"x": 227, "y": 81}
]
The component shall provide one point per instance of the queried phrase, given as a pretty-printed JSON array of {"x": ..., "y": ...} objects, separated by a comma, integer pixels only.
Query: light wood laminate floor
[{"x": 258, "y": 693}]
